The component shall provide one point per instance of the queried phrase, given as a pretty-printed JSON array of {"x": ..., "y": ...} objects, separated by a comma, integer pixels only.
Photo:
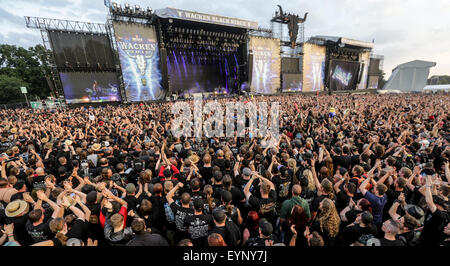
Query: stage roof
[
  {"x": 174, "y": 13},
  {"x": 416, "y": 64},
  {"x": 342, "y": 40}
]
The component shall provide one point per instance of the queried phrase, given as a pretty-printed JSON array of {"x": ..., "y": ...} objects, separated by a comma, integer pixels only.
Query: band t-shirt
[
  {"x": 40, "y": 232},
  {"x": 199, "y": 226},
  {"x": 180, "y": 215}
]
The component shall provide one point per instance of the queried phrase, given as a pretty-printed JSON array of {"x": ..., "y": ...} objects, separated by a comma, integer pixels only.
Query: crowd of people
[{"x": 347, "y": 170}]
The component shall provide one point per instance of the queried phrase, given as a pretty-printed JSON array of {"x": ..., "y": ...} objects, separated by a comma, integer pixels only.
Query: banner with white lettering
[
  {"x": 313, "y": 67},
  {"x": 205, "y": 18},
  {"x": 266, "y": 65},
  {"x": 139, "y": 57}
]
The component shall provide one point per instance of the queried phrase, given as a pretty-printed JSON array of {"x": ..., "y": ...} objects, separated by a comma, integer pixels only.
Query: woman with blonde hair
[
  {"x": 327, "y": 222},
  {"x": 292, "y": 167}
]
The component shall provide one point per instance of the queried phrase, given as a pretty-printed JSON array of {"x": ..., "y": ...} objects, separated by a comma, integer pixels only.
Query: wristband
[{"x": 10, "y": 235}]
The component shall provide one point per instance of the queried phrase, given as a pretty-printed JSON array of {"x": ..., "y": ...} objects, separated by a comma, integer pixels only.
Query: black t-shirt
[
  {"x": 432, "y": 233},
  {"x": 352, "y": 233},
  {"x": 342, "y": 200},
  {"x": 392, "y": 195},
  {"x": 20, "y": 233},
  {"x": 40, "y": 232},
  {"x": 148, "y": 239},
  {"x": 199, "y": 226},
  {"x": 180, "y": 214},
  {"x": 79, "y": 229},
  {"x": 132, "y": 202},
  {"x": 206, "y": 172},
  {"x": 316, "y": 202},
  {"x": 261, "y": 242},
  {"x": 265, "y": 207},
  {"x": 283, "y": 187},
  {"x": 391, "y": 243}
]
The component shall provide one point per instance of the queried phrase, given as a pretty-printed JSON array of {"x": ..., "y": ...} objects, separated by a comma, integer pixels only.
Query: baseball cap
[
  {"x": 246, "y": 171},
  {"x": 266, "y": 227}
]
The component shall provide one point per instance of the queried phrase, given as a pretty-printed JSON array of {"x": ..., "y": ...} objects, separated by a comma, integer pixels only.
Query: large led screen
[
  {"x": 139, "y": 57},
  {"x": 313, "y": 67},
  {"x": 343, "y": 75},
  {"x": 266, "y": 65},
  {"x": 85, "y": 87},
  {"x": 81, "y": 50}
]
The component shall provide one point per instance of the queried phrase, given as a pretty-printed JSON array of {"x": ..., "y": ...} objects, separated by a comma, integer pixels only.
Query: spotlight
[
  {"x": 127, "y": 6},
  {"x": 137, "y": 7}
]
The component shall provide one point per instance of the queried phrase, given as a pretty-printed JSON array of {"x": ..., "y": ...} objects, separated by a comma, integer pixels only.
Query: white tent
[
  {"x": 436, "y": 88},
  {"x": 409, "y": 77}
]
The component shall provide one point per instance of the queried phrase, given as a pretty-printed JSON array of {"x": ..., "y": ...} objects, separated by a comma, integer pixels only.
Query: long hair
[
  {"x": 309, "y": 175},
  {"x": 292, "y": 163},
  {"x": 299, "y": 219},
  {"x": 208, "y": 190},
  {"x": 328, "y": 218},
  {"x": 216, "y": 240}
]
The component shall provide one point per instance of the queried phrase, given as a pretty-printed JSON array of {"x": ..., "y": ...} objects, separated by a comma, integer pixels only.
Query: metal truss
[{"x": 64, "y": 25}]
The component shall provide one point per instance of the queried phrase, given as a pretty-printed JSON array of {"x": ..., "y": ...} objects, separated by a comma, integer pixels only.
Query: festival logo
[{"x": 138, "y": 51}]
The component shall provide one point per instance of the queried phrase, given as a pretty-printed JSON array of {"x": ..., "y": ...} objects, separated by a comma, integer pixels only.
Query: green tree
[
  {"x": 28, "y": 65},
  {"x": 10, "y": 89}
]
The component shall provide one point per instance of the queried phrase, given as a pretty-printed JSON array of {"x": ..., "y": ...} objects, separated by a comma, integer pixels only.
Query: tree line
[{"x": 20, "y": 67}]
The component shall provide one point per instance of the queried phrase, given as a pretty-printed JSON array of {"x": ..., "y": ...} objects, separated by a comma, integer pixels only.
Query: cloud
[{"x": 403, "y": 30}]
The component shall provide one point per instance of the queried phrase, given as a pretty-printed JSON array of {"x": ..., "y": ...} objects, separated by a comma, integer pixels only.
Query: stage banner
[
  {"x": 343, "y": 75},
  {"x": 139, "y": 58},
  {"x": 313, "y": 67},
  {"x": 365, "y": 59},
  {"x": 266, "y": 65}
]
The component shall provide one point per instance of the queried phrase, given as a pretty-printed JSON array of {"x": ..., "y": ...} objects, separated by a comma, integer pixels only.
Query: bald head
[
  {"x": 40, "y": 171},
  {"x": 296, "y": 190}
]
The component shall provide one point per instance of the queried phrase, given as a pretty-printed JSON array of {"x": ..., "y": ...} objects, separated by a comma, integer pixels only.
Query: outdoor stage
[{"x": 144, "y": 55}]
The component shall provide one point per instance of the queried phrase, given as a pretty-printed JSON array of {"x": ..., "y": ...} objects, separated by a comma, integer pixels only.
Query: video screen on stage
[
  {"x": 139, "y": 57},
  {"x": 266, "y": 65},
  {"x": 81, "y": 50},
  {"x": 86, "y": 87},
  {"x": 343, "y": 75},
  {"x": 292, "y": 82},
  {"x": 313, "y": 67},
  {"x": 190, "y": 72}
]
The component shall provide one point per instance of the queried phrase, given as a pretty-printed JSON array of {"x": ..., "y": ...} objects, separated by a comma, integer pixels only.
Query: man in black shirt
[
  {"x": 38, "y": 224},
  {"x": 391, "y": 229},
  {"x": 265, "y": 205},
  {"x": 199, "y": 224},
  {"x": 180, "y": 212},
  {"x": 143, "y": 237},
  {"x": 265, "y": 238}
]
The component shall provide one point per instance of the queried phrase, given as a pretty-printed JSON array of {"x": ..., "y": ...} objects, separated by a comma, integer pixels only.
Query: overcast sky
[{"x": 403, "y": 30}]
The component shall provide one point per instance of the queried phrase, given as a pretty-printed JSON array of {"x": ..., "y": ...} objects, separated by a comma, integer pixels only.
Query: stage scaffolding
[{"x": 48, "y": 24}]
